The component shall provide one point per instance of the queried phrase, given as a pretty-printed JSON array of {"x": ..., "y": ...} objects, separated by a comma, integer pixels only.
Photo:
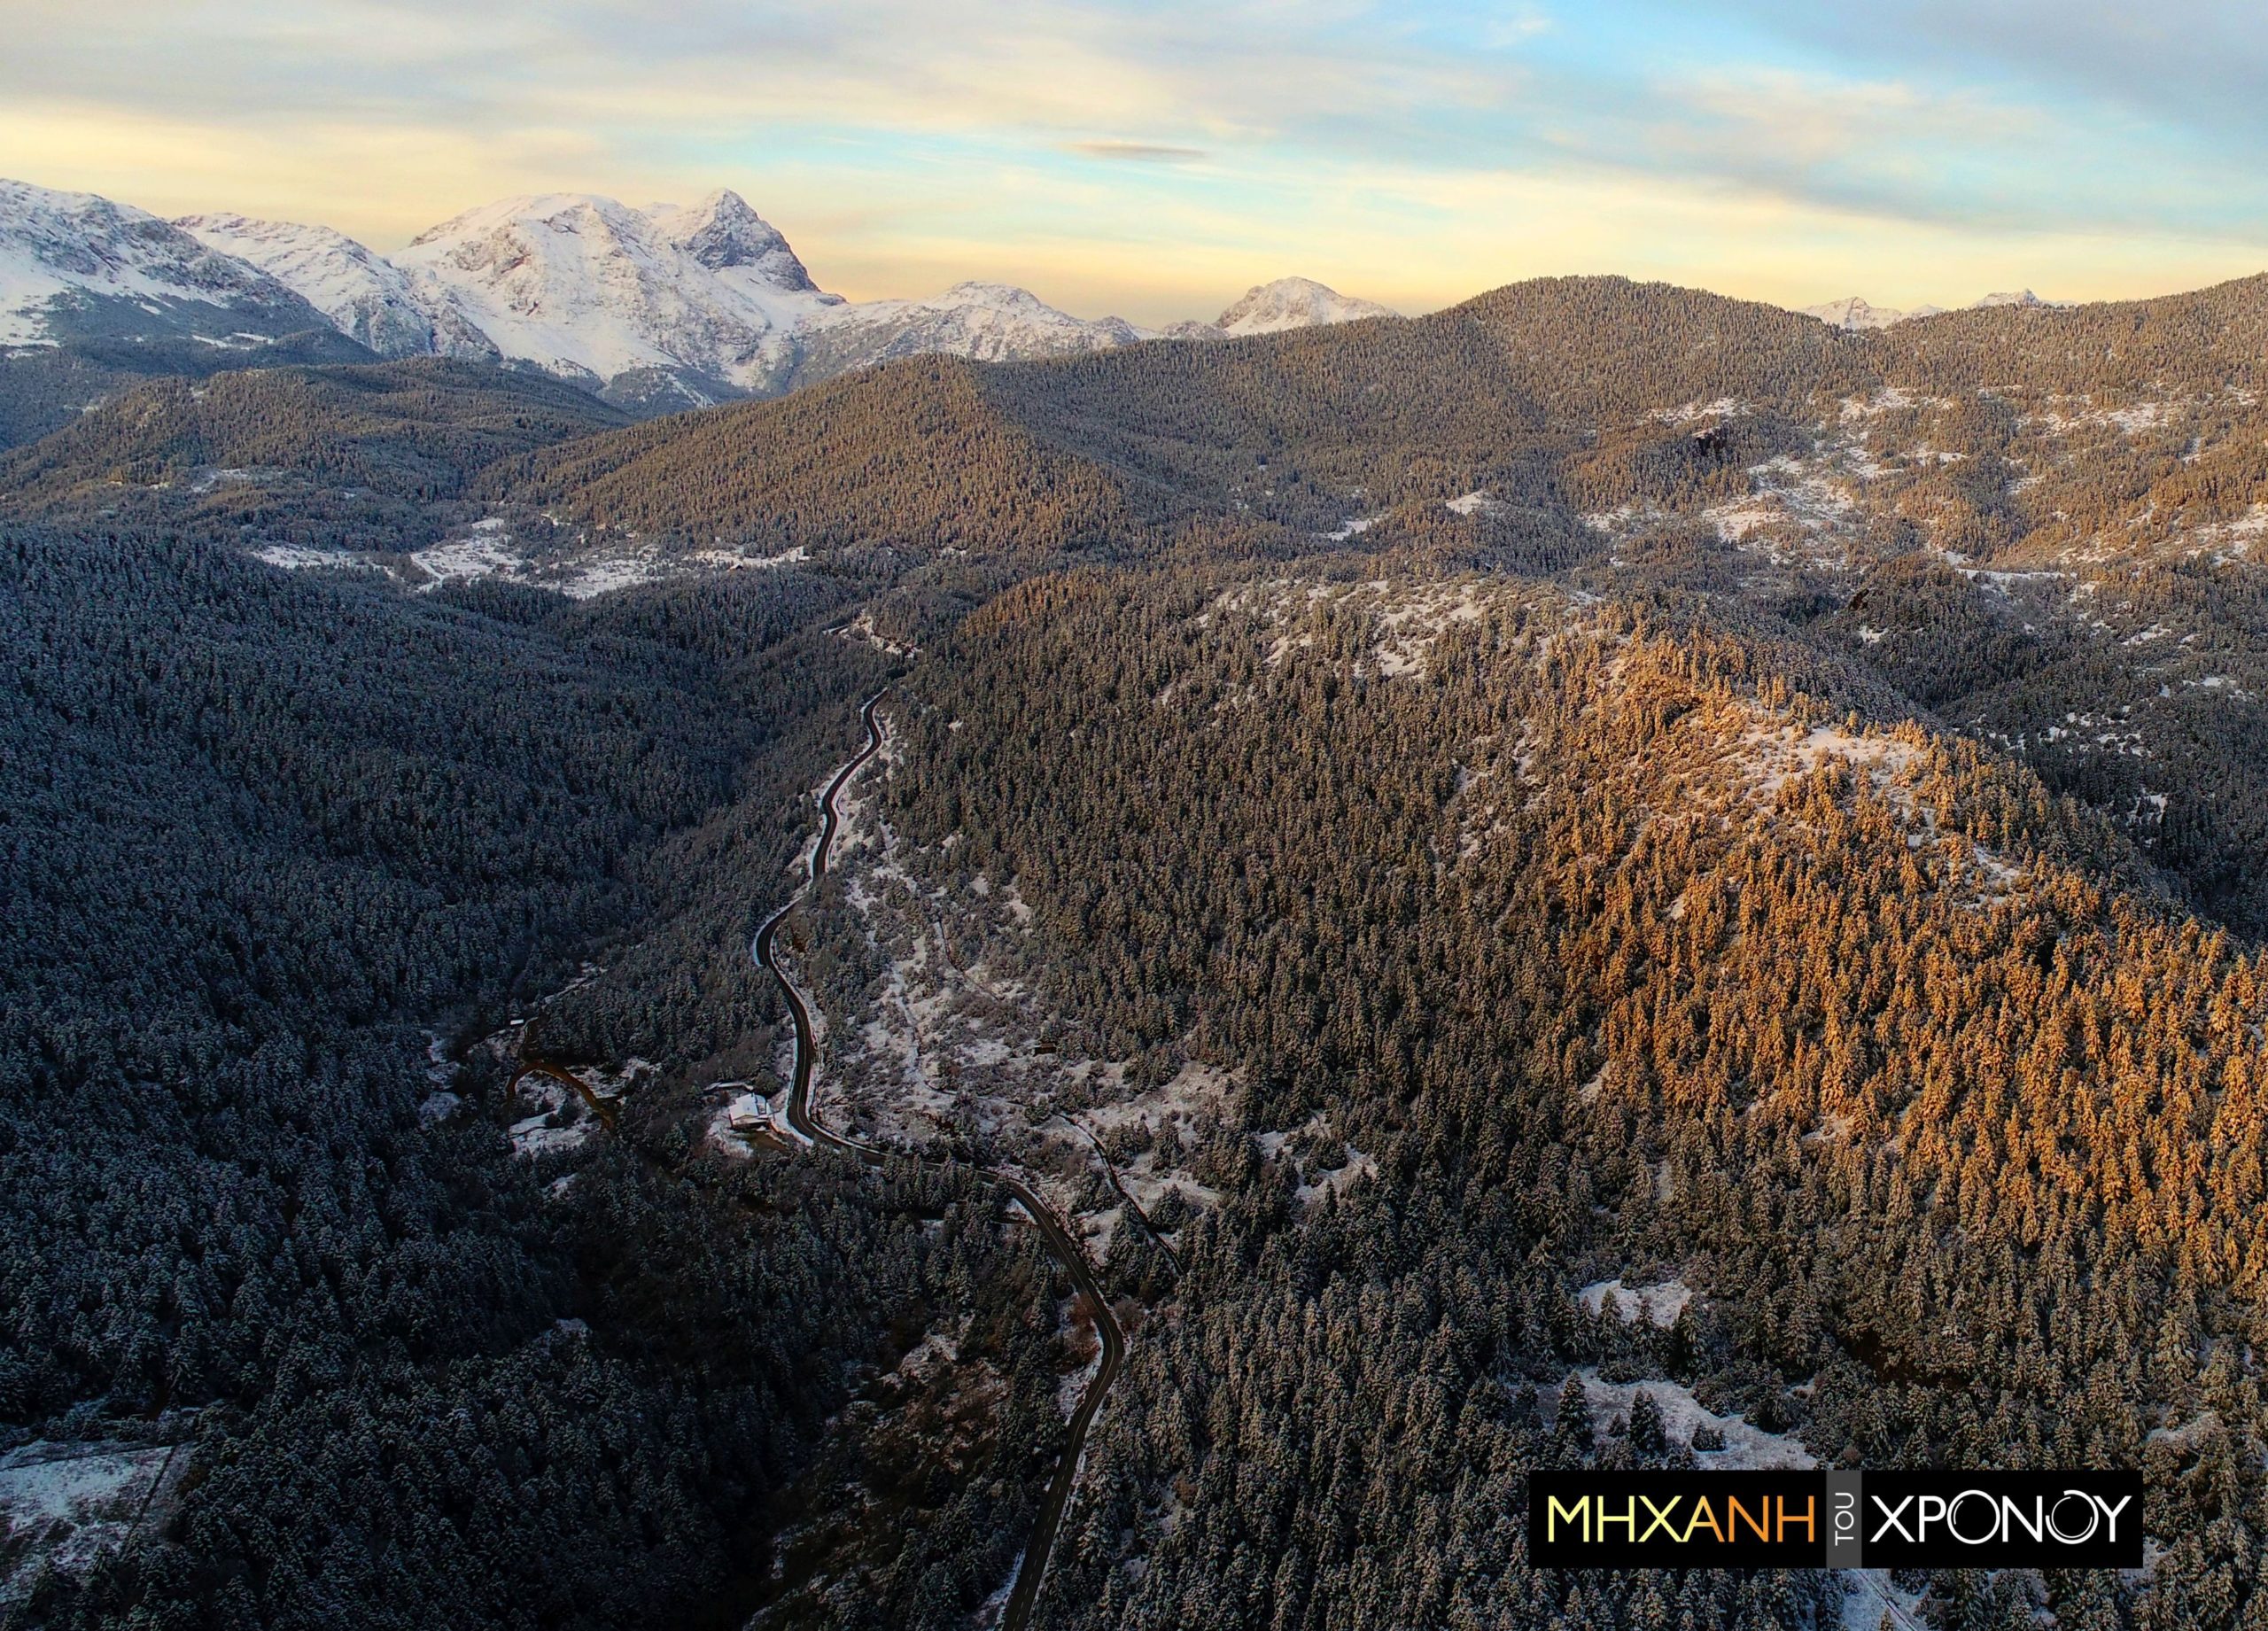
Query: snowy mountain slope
[
  {"x": 1294, "y": 303},
  {"x": 698, "y": 302},
  {"x": 657, "y": 309},
  {"x": 991, "y": 322},
  {"x": 364, "y": 295},
  {"x": 73, "y": 266},
  {"x": 2019, "y": 297},
  {"x": 743, "y": 251},
  {"x": 1851, "y": 313}
]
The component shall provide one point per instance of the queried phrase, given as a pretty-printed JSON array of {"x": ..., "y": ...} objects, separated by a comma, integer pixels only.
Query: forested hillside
[
  {"x": 909, "y": 456},
  {"x": 43, "y": 389},
  {"x": 1618, "y": 957},
  {"x": 1606, "y": 875},
  {"x": 407, "y": 429},
  {"x": 280, "y": 848}
]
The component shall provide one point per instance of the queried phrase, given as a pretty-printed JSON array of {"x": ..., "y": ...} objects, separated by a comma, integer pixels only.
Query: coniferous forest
[{"x": 1605, "y": 878}]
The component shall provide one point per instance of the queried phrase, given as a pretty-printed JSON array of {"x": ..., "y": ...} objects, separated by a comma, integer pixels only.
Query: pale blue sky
[{"x": 1154, "y": 158}]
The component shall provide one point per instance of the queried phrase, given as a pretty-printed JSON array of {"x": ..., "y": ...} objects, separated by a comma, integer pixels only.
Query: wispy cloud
[
  {"x": 899, "y": 141},
  {"x": 1136, "y": 152},
  {"x": 2194, "y": 64}
]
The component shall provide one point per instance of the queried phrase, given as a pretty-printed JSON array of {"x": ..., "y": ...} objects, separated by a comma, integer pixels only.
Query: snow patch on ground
[
  {"x": 1870, "y": 1595},
  {"x": 1746, "y": 1447},
  {"x": 1798, "y": 510},
  {"x": 1779, "y": 751},
  {"x": 484, "y": 551},
  {"x": 1723, "y": 407},
  {"x": 732, "y": 560},
  {"x": 862, "y": 627},
  {"x": 605, "y": 574},
  {"x": 1658, "y": 1304},
  {"x": 945, "y": 1049},
  {"x": 219, "y": 476},
  {"x": 1407, "y": 619},
  {"x": 295, "y": 558},
  {"x": 1359, "y": 1164},
  {"x": 534, "y": 1136},
  {"x": 1888, "y": 399},
  {"x": 1350, "y": 528},
  {"x": 61, "y": 1504}
]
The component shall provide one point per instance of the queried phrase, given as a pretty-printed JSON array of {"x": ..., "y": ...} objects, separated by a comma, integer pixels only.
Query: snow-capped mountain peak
[
  {"x": 73, "y": 262},
  {"x": 721, "y": 230},
  {"x": 985, "y": 321},
  {"x": 691, "y": 303},
  {"x": 975, "y": 292},
  {"x": 1023, "y": 306},
  {"x": 1294, "y": 303},
  {"x": 666, "y": 306},
  {"x": 1852, "y": 312},
  {"x": 364, "y": 295}
]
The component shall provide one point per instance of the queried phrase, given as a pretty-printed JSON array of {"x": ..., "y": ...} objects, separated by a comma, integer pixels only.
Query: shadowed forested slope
[
  {"x": 418, "y": 429},
  {"x": 267, "y": 836},
  {"x": 910, "y": 456}
]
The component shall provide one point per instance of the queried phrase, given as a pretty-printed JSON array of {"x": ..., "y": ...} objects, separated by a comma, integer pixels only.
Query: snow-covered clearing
[
  {"x": 295, "y": 558},
  {"x": 485, "y": 550},
  {"x": 1745, "y": 1448},
  {"x": 1358, "y": 1164},
  {"x": 564, "y": 1120},
  {"x": 1408, "y": 620},
  {"x": 1777, "y": 751},
  {"x": 734, "y": 561},
  {"x": 862, "y": 627},
  {"x": 945, "y": 1048},
  {"x": 220, "y": 476},
  {"x": 1658, "y": 1304},
  {"x": 605, "y": 574},
  {"x": 1352, "y": 527},
  {"x": 60, "y": 1504},
  {"x": 536, "y": 1136},
  {"x": 1798, "y": 510},
  {"x": 2228, "y": 541}
]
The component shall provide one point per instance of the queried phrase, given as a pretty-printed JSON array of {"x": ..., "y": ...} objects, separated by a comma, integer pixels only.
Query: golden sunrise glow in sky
[{"x": 1156, "y": 159}]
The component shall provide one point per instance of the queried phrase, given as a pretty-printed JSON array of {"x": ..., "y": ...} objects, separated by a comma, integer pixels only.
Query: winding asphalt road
[{"x": 1033, "y": 1571}]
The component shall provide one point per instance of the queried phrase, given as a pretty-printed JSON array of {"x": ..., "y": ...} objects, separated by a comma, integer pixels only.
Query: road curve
[{"x": 1033, "y": 1571}]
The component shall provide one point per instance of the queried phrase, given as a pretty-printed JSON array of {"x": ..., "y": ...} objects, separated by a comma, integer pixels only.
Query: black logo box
[{"x": 1789, "y": 1518}]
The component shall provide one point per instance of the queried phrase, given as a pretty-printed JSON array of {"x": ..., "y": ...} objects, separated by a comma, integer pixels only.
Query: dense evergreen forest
[
  {"x": 1631, "y": 788},
  {"x": 271, "y": 833},
  {"x": 1961, "y": 1140}
]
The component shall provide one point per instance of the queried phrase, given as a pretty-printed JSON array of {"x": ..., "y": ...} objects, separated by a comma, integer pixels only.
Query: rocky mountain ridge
[{"x": 657, "y": 309}]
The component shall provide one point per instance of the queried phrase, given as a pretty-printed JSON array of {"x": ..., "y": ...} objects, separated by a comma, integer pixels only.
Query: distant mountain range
[
  {"x": 1853, "y": 313},
  {"x": 653, "y": 310}
]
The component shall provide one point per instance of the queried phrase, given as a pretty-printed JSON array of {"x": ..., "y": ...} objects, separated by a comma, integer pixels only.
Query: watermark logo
[{"x": 1840, "y": 1519}]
